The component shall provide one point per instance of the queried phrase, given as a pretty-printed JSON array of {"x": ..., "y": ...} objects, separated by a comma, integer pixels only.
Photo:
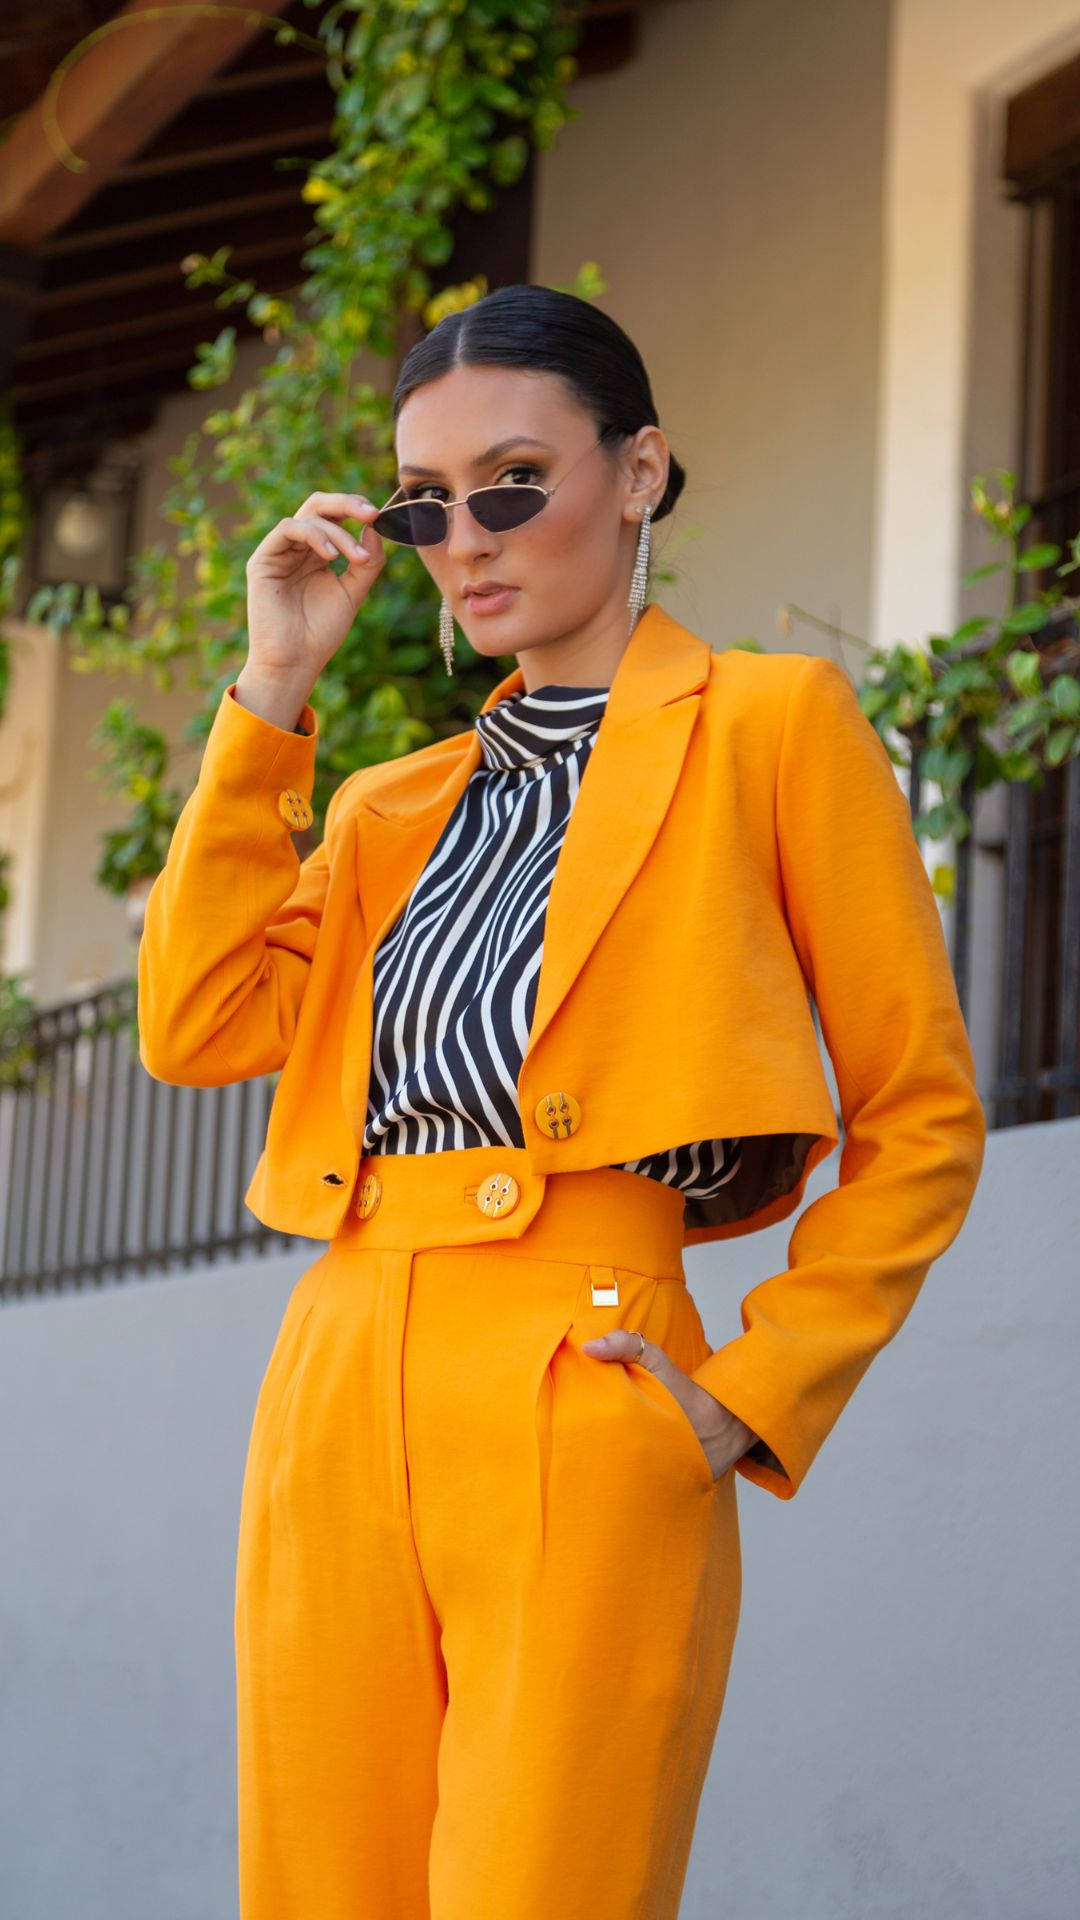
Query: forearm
[
  {"x": 866, "y": 927},
  {"x": 280, "y": 702},
  {"x": 216, "y": 1000}
]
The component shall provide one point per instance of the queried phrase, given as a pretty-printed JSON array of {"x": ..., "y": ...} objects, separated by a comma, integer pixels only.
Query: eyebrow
[{"x": 484, "y": 459}]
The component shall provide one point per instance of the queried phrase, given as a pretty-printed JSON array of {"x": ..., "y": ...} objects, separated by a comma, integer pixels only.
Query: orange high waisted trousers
[{"x": 487, "y": 1586}]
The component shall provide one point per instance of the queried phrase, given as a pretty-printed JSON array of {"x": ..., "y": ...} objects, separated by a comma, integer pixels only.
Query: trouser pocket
[{"x": 626, "y": 1405}]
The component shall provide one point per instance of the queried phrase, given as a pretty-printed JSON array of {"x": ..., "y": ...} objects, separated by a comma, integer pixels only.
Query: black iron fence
[{"x": 105, "y": 1171}]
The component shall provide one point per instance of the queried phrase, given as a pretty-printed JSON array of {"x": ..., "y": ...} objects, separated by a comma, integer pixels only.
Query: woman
[{"x": 489, "y": 1571}]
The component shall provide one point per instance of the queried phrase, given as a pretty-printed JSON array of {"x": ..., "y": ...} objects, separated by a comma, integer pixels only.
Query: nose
[{"x": 466, "y": 539}]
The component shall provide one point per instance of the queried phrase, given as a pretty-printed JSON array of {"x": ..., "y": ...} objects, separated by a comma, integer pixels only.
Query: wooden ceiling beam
[
  {"x": 279, "y": 241},
  {"x": 65, "y": 275},
  {"x": 177, "y": 220},
  {"x": 282, "y": 70},
  {"x": 215, "y": 126},
  {"x": 98, "y": 324},
  {"x": 105, "y": 370},
  {"x": 228, "y": 151},
  {"x": 125, "y": 87},
  {"x": 127, "y": 205}
]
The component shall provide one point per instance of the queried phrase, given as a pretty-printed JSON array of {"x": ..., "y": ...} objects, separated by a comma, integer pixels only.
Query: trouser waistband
[{"x": 483, "y": 1195}]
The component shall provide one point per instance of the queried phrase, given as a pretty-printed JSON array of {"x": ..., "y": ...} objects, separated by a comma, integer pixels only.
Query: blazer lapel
[{"x": 627, "y": 787}]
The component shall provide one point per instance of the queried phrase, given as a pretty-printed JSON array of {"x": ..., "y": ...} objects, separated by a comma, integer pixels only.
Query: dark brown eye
[{"x": 429, "y": 488}]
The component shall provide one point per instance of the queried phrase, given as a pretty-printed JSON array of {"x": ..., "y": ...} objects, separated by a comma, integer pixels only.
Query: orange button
[
  {"x": 557, "y": 1114},
  {"x": 294, "y": 809},
  {"x": 498, "y": 1194},
  {"x": 369, "y": 1196}
]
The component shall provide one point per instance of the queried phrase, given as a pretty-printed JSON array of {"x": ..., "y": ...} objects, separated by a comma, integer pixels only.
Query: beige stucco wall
[{"x": 729, "y": 185}]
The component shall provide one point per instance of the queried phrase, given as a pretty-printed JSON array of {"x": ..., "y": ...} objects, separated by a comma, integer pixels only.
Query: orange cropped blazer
[{"x": 739, "y": 853}]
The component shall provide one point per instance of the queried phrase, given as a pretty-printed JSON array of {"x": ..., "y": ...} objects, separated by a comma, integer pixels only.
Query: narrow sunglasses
[{"x": 498, "y": 509}]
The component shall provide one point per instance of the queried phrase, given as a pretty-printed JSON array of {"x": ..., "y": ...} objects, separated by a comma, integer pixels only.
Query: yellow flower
[
  {"x": 455, "y": 299},
  {"x": 316, "y": 189}
]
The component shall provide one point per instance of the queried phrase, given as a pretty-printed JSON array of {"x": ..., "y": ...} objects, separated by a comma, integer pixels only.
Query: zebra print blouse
[{"x": 456, "y": 976}]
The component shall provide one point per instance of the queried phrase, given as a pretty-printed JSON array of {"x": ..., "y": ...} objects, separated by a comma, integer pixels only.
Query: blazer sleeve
[
  {"x": 864, "y": 920},
  {"x": 232, "y": 918}
]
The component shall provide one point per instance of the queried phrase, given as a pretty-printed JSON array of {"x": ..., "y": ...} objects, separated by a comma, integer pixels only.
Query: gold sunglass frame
[{"x": 448, "y": 506}]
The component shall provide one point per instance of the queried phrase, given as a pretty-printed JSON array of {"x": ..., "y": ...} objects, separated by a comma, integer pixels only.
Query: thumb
[{"x": 622, "y": 1343}]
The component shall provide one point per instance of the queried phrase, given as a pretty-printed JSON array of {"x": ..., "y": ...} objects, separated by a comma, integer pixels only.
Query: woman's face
[{"x": 570, "y": 565}]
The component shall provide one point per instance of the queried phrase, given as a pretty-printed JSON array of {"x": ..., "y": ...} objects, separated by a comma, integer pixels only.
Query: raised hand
[{"x": 298, "y": 610}]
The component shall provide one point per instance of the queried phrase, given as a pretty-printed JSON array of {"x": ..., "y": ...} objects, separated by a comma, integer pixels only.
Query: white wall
[{"x": 900, "y": 1735}]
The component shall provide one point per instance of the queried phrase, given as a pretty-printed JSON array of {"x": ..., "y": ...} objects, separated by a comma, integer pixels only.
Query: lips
[{"x": 488, "y": 604}]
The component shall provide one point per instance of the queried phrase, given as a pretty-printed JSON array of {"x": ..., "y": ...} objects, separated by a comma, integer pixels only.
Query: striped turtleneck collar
[{"x": 528, "y": 728}]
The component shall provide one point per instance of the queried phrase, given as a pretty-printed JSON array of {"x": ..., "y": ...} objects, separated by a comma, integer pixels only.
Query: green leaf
[
  {"x": 970, "y": 628},
  {"x": 873, "y": 700},
  {"x": 1038, "y": 557},
  {"x": 983, "y": 573},
  {"x": 948, "y": 766},
  {"x": 1025, "y": 672},
  {"x": 936, "y": 822},
  {"x": 1058, "y": 743},
  {"x": 1065, "y": 696},
  {"x": 1018, "y": 765},
  {"x": 456, "y": 96},
  {"x": 1029, "y": 618}
]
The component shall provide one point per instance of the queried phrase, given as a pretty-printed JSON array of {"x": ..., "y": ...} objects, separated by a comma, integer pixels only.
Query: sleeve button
[{"x": 294, "y": 809}]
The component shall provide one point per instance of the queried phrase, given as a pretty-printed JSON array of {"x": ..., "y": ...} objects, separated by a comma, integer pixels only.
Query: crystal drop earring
[
  {"x": 446, "y": 634},
  {"x": 636, "y": 601}
]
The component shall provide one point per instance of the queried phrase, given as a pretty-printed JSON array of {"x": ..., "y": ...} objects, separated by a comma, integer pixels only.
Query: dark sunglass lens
[
  {"x": 412, "y": 523},
  {"x": 499, "y": 508}
]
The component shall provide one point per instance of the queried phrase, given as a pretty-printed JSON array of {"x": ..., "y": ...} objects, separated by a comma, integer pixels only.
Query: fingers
[
  {"x": 331, "y": 539},
  {"x": 322, "y": 535},
  {"x": 346, "y": 506}
]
